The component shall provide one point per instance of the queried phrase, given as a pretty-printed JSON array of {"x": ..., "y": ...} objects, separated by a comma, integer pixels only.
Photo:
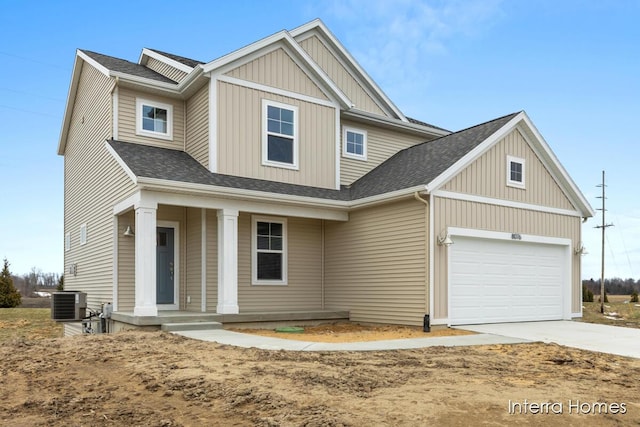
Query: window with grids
[
  {"x": 270, "y": 257},
  {"x": 154, "y": 119},
  {"x": 354, "y": 143},
  {"x": 515, "y": 172},
  {"x": 280, "y": 143}
]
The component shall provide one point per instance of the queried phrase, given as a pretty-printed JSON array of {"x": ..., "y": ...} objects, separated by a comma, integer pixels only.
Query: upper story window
[
  {"x": 154, "y": 119},
  {"x": 280, "y": 135},
  {"x": 515, "y": 172},
  {"x": 354, "y": 143}
]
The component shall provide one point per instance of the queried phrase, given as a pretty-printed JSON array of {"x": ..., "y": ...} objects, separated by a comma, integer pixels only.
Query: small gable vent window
[
  {"x": 154, "y": 119},
  {"x": 280, "y": 135},
  {"x": 354, "y": 143},
  {"x": 67, "y": 242},
  {"x": 515, "y": 172}
]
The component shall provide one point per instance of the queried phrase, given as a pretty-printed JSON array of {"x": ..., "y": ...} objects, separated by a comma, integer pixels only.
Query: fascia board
[
  {"x": 548, "y": 157},
  {"x": 121, "y": 163},
  {"x": 234, "y": 59},
  {"x": 150, "y": 83},
  {"x": 472, "y": 155},
  {"x": 364, "y": 116},
  {"x": 95, "y": 64},
  {"x": 318, "y": 25},
  {"x": 71, "y": 96},
  {"x": 172, "y": 62}
]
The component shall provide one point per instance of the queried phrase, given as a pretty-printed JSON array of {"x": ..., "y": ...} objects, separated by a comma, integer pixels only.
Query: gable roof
[
  {"x": 127, "y": 67},
  {"x": 181, "y": 59},
  {"x": 317, "y": 27},
  {"x": 422, "y": 163}
]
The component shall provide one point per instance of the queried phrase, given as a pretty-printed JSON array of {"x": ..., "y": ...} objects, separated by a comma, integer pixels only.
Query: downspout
[
  {"x": 426, "y": 327},
  {"x": 184, "y": 126}
]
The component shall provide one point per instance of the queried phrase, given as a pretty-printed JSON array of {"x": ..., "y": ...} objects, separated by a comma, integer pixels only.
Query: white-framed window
[
  {"x": 515, "y": 172},
  {"x": 154, "y": 119},
  {"x": 83, "y": 234},
  {"x": 67, "y": 242},
  {"x": 354, "y": 143},
  {"x": 269, "y": 251},
  {"x": 279, "y": 134}
]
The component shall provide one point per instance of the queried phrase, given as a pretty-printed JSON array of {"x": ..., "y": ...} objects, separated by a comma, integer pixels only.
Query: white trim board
[
  {"x": 505, "y": 203},
  {"x": 165, "y": 59}
]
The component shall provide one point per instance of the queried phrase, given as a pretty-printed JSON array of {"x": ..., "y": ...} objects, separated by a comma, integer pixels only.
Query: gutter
[
  {"x": 414, "y": 128},
  {"x": 427, "y": 299}
]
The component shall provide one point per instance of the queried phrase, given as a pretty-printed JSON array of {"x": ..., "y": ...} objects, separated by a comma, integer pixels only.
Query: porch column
[
  {"x": 145, "y": 256},
  {"x": 228, "y": 261}
]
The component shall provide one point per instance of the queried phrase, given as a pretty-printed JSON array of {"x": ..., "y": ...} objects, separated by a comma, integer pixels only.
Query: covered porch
[{"x": 191, "y": 257}]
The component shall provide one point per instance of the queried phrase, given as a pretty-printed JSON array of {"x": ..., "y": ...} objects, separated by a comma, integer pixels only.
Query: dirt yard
[{"x": 158, "y": 379}]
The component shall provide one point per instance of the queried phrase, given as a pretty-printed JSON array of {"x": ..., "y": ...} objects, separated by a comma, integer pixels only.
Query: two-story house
[{"x": 279, "y": 182}]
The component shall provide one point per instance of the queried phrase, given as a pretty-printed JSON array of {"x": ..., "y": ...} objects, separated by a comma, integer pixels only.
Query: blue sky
[{"x": 573, "y": 66}]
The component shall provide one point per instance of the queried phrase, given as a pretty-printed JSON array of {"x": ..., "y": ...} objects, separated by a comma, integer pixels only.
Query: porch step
[{"x": 190, "y": 326}]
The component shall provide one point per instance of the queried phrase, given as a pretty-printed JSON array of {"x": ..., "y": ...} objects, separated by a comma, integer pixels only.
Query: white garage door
[{"x": 492, "y": 281}]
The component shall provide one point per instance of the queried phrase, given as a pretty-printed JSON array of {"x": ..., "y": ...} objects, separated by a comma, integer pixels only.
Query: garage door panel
[{"x": 504, "y": 281}]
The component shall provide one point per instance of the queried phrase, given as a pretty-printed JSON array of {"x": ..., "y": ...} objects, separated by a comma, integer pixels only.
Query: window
[
  {"x": 83, "y": 234},
  {"x": 280, "y": 135},
  {"x": 269, "y": 238},
  {"x": 515, "y": 172},
  {"x": 154, "y": 119},
  {"x": 67, "y": 242},
  {"x": 354, "y": 143}
]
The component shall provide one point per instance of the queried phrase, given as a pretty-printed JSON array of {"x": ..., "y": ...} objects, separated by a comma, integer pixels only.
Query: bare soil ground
[{"x": 159, "y": 379}]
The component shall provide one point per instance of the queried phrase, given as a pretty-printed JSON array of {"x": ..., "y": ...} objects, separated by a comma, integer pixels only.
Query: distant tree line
[
  {"x": 615, "y": 286},
  {"x": 36, "y": 280}
]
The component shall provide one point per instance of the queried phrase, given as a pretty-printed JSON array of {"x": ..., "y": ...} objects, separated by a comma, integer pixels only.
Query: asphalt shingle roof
[
  {"x": 186, "y": 61},
  {"x": 414, "y": 166},
  {"x": 123, "y": 66},
  {"x": 420, "y": 122}
]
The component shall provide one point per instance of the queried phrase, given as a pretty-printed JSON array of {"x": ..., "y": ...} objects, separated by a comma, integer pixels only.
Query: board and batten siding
[
  {"x": 376, "y": 264},
  {"x": 93, "y": 183},
  {"x": 212, "y": 261},
  {"x": 340, "y": 75},
  {"x": 381, "y": 144},
  {"x": 487, "y": 176},
  {"x": 194, "y": 259},
  {"x": 197, "y": 145},
  {"x": 127, "y": 117},
  {"x": 166, "y": 70},
  {"x": 304, "y": 288},
  {"x": 240, "y": 138},
  {"x": 466, "y": 214},
  {"x": 277, "y": 69}
]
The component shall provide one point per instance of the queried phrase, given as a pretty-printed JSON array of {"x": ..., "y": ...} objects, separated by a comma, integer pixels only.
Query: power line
[
  {"x": 29, "y": 111},
  {"x": 24, "y": 58},
  {"x": 31, "y": 94}
]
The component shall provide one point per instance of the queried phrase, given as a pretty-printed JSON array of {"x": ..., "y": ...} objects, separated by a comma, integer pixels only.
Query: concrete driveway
[{"x": 587, "y": 336}]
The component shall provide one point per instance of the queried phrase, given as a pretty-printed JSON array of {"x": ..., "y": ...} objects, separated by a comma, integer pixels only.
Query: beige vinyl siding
[
  {"x": 126, "y": 263},
  {"x": 194, "y": 259},
  {"x": 127, "y": 117},
  {"x": 487, "y": 176},
  {"x": 166, "y": 70},
  {"x": 464, "y": 214},
  {"x": 277, "y": 69},
  {"x": 375, "y": 264},
  {"x": 240, "y": 138},
  {"x": 212, "y": 261},
  {"x": 381, "y": 144},
  {"x": 71, "y": 329},
  {"x": 198, "y": 126},
  {"x": 304, "y": 288},
  {"x": 340, "y": 75},
  {"x": 93, "y": 182}
]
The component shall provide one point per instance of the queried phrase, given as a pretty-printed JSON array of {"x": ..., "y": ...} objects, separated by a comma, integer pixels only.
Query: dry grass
[
  {"x": 618, "y": 312},
  {"x": 27, "y": 323}
]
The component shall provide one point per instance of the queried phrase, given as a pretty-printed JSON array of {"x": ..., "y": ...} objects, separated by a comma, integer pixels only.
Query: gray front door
[{"x": 165, "y": 285}]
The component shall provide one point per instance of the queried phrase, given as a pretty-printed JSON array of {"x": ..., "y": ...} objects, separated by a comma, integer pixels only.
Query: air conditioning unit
[{"x": 68, "y": 306}]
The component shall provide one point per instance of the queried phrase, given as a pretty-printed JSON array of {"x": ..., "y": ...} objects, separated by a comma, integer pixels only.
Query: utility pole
[{"x": 603, "y": 227}]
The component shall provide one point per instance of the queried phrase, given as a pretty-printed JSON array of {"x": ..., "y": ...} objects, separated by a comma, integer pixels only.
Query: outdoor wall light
[
  {"x": 581, "y": 250},
  {"x": 445, "y": 241},
  {"x": 129, "y": 232}
]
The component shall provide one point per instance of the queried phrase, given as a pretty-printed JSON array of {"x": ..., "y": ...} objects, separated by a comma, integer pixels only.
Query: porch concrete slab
[
  {"x": 587, "y": 336},
  {"x": 268, "y": 343}
]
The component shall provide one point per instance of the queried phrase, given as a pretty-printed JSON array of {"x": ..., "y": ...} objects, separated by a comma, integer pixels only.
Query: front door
[{"x": 165, "y": 266}]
